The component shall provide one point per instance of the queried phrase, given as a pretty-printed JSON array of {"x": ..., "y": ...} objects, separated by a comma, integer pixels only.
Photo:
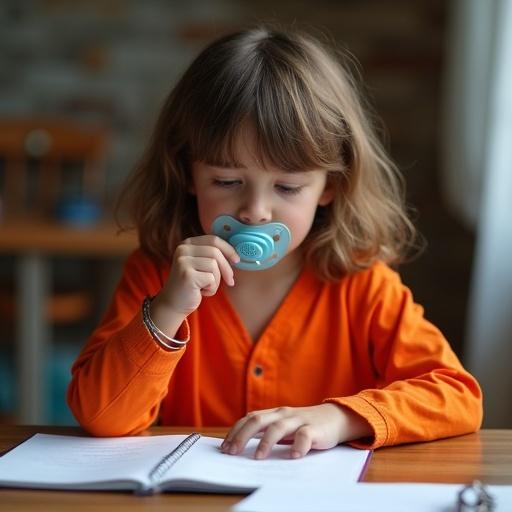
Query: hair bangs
[
  {"x": 294, "y": 131},
  {"x": 293, "y": 127}
]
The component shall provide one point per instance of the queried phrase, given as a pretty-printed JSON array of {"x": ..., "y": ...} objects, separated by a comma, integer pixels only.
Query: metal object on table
[{"x": 475, "y": 498}]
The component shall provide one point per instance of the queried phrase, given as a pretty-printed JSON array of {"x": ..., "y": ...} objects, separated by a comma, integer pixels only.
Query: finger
[
  {"x": 200, "y": 280},
  {"x": 226, "y": 444},
  {"x": 304, "y": 438},
  {"x": 236, "y": 427},
  {"x": 274, "y": 433},
  {"x": 208, "y": 251},
  {"x": 241, "y": 422},
  {"x": 210, "y": 266},
  {"x": 215, "y": 241},
  {"x": 250, "y": 425}
]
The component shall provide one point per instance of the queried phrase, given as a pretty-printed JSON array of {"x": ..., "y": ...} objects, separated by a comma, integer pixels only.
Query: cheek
[
  {"x": 300, "y": 222},
  {"x": 208, "y": 209}
]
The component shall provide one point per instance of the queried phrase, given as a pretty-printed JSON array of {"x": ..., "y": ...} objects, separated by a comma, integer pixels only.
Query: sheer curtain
[{"x": 478, "y": 185}]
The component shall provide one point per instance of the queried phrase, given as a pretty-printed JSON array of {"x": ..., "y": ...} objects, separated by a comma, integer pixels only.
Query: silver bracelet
[{"x": 156, "y": 333}]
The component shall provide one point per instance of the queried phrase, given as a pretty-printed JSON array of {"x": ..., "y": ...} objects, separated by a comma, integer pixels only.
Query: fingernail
[
  {"x": 233, "y": 448},
  {"x": 235, "y": 258},
  {"x": 295, "y": 454}
]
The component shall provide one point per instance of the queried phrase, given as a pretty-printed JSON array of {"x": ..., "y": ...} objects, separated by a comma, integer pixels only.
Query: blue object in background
[
  {"x": 78, "y": 211},
  {"x": 7, "y": 381},
  {"x": 58, "y": 371},
  {"x": 58, "y": 375}
]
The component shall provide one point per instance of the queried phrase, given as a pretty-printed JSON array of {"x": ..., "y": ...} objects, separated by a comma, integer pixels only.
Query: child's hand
[
  {"x": 196, "y": 270},
  {"x": 319, "y": 427}
]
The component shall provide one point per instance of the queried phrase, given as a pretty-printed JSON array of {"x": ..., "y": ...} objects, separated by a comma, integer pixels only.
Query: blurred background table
[{"x": 33, "y": 242}]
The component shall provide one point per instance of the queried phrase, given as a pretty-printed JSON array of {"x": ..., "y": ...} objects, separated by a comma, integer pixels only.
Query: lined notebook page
[
  {"x": 204, "y": 460},
  {"x": 63, "y": 459}
]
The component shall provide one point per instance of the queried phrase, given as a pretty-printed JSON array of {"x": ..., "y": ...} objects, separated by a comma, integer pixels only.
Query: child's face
[{"x": 257, "y": 196}]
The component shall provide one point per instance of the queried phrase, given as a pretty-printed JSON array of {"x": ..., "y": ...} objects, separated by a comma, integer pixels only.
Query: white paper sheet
[{"x": 364, "y": 497}]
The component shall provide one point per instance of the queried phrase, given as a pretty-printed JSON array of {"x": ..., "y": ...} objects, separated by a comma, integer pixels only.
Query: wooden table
[
  {"x": 486, "y": 456},
  {"x": 34, "y": 241}
]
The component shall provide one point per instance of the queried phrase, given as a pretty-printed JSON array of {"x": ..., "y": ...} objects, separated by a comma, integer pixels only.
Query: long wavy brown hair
[{"x": 307, "y": 114}]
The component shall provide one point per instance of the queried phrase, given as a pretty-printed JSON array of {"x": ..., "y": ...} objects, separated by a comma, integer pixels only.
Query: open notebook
[{"x": 152, "y": 464}]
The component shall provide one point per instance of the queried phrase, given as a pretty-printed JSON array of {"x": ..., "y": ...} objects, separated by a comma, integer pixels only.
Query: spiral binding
[{"x": 169, "y": 460}]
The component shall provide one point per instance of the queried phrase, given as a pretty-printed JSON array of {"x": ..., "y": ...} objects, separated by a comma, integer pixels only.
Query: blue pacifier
[{"x": 259, "y": 247}]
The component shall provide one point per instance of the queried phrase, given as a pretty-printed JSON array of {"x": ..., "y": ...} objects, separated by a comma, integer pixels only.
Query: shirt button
[{"x": 258, "y": 370}]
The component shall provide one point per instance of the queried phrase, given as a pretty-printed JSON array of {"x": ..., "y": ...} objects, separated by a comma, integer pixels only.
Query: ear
[{"x": 327, "y": 195}]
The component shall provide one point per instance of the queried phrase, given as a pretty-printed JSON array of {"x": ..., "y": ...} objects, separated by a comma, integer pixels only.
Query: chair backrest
[{"x": 38, "y": 157}]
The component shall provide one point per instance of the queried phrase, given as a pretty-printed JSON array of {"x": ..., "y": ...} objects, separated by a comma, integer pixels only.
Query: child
[{"x": 325, "y": 345}]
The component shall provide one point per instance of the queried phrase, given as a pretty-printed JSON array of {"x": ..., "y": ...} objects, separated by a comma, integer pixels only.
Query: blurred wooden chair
[
  {"x": 38, "y": 157},
  {"x": 43, "y": 162}
]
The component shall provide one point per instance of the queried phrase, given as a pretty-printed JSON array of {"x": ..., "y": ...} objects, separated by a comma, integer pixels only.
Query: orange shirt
[{"x": 360, "y": 342}]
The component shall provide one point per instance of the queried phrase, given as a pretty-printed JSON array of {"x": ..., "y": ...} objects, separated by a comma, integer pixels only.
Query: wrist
[
  {"x": 352, "y": 425},
  {"x": 164, "y": 317}
]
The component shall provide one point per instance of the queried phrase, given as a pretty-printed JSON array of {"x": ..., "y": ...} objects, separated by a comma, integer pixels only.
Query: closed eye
[
  {"x": 285, "y": 189},
  {"x": 226, "y": 183}
]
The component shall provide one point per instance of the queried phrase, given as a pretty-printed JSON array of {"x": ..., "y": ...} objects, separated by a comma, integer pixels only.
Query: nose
[{"x": 254, "y": 208}]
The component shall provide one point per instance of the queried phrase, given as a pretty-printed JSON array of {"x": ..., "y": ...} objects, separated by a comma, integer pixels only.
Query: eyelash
[
  {"x": 282, "y": 188},
  {"x": 289, "y": 190}
]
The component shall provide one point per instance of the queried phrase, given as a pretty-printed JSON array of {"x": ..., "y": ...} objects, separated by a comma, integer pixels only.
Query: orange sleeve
[
  {"x": 423, "y": 392},
  {"x": 122, "y": 374}
]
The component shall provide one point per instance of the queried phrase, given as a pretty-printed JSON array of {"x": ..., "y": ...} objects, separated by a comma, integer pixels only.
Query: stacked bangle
[{"x": 159, "y": 336}]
